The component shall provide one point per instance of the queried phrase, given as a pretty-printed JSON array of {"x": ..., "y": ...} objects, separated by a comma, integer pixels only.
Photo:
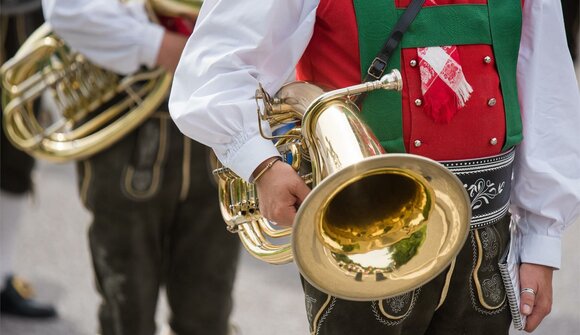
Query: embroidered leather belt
[{"x": 488, "y": 183}]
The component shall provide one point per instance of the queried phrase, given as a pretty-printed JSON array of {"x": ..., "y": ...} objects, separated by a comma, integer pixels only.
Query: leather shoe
[{"x": 16, "y": 299}]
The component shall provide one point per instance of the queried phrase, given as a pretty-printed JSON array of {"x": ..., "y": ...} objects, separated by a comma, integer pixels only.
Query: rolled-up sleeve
[
  {"x": 235, "y": 46},
  {"x": 114, "y": 35},
  {"x": 546, "y": 192}
]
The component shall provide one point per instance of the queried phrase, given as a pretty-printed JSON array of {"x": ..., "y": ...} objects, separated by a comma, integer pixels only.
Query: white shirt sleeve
[
  {"x": 546, "y": 191},
  {"x": 114, "y": 35},
  {"x": 236, "y": 45}
]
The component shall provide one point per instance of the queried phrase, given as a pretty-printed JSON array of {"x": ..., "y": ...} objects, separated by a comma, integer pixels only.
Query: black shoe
[{"x": 16, "y": 299}]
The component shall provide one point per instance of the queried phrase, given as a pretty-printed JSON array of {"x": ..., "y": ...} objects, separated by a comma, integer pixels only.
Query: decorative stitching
[
  {"x": 156, "y": 169},
  {"x": 397, "y": 303},
  {"x": 490, "y": 243},
  {"x": 494, "y": 162},
  {"x": 478, "y": 168},
  {"x": 310, "y": 301},
  {"x": 471, "y": 281},
  {"x": 483, "y": 191},
  {"x": 325, "y": 315},
  {"x": 491, "y": 288},
  {"x": 494, "y": 215},
  {"x": 386, "y": 320}
]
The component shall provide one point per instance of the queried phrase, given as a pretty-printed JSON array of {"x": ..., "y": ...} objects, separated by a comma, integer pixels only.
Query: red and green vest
[{"x": 349, "y": 33}]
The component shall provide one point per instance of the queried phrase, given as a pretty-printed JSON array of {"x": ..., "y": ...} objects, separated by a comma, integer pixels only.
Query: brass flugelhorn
[
  {"x": 375, "y": 225},
  {"x": 92, "y": 108}
]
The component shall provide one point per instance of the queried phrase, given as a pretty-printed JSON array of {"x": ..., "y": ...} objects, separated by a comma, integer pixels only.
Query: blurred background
[{"x": 52, "y": 252}]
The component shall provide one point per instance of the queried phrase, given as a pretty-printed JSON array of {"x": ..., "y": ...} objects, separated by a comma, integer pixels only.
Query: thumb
[
  {"x": 300, "y": 192},
  {"x": 527, "y": 300}
]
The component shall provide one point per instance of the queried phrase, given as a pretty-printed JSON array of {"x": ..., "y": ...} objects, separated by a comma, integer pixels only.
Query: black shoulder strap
[{"x": 379, "y": 64}]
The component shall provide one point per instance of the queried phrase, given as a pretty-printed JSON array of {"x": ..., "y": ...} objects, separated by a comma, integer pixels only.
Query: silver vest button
[
  {"x": 493, "y": 141},
  {"x": 418, "y": 102},
  {"x": 487, "y": 59},
  {"x": 413, "y": 63},
  {"x": 417, "y": 143},
  {"x": 491, "y": 102}
]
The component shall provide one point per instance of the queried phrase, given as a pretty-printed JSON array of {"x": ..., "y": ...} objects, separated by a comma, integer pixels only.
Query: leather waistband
[{"x": 488, "y": 183}]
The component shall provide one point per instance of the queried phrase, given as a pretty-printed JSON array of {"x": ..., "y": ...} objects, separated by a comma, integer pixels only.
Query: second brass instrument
[{"x": 93, "y": 108}]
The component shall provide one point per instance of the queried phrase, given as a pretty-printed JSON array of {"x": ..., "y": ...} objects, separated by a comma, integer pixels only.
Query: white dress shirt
[
  {"x": 237, "y": 44},
  {"x": 117, "y": 36}
]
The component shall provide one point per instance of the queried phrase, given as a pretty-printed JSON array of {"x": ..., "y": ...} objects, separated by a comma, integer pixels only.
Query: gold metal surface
[
  {"x": 388, "y": 269},
  {"x": 240, "y": 210},
  {"x": 238, "y": 199},
  {"x": 375, "y": 225},
  {"x": 95, "y": 108},
  {"x": 188, "y": 9},
  {"x": 374, "y": 210}
]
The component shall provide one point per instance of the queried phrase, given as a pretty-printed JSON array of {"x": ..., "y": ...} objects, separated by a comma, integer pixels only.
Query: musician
[
  {"x": 463, "y": 99},
  {"x": 19, "y": 19},
  {"x": 155, "y": 221}
]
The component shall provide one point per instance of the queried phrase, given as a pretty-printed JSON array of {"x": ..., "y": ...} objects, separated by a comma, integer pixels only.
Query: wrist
[{"x": 264, "y": 167}]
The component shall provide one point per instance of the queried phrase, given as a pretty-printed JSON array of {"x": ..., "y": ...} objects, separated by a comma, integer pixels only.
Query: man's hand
[
  {"x": 171, "y": 47},
  {"x": 535, "y": 306},
  {"x": 280, "y": 191}
]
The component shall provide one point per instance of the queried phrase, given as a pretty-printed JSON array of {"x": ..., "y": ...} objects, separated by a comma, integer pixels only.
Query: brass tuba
[
  {"x": 94, "y": 108},
  {"x": 375, "y": 225}
]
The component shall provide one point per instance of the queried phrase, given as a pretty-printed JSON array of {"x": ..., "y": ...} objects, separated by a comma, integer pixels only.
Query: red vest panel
[{"x": 332, "y": 59}]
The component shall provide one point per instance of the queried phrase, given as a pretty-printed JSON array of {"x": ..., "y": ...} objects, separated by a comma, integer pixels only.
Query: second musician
[{"x": 155, "y": 222}]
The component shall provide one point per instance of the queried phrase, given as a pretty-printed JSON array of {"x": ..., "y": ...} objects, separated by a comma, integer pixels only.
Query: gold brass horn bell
[{"x": 381, "y": 227}]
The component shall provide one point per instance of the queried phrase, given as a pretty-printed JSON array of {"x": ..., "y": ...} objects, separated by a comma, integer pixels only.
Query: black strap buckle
[{"x": 377, "y": 68}]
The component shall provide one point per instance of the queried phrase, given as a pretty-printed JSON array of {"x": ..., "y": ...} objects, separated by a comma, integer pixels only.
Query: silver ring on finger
[{"x": 528, "y": 290}]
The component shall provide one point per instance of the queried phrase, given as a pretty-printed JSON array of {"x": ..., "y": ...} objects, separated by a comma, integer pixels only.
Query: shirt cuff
[
  {"x": 250, "y": 155},
  {"x": 150, "y": 43},
  {"x": 542, "y": 250}
]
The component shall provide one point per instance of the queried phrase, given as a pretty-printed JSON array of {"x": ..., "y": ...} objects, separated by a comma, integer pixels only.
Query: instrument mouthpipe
[{"x": 390, "y": 82}]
